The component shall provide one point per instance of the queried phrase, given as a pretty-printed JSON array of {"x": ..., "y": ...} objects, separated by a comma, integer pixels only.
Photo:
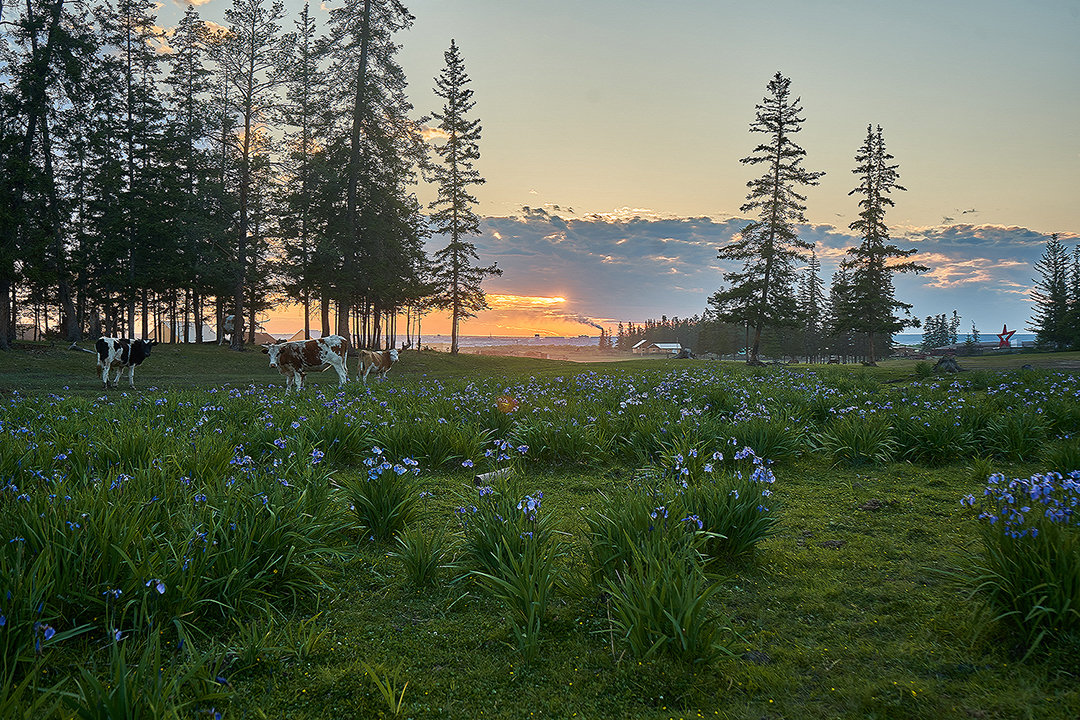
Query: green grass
[{"x": 851, "y": 609}]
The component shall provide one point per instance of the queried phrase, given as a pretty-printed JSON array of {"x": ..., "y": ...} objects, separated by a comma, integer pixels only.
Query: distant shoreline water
[
  {"x": 593, "y": 340},
  {"x": 916, "y": 338}
]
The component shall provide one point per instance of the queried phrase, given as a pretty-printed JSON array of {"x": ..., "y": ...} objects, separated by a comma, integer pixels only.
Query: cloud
[
  {"x": 430, "y": 134},
  {"x": 160, "y": 39},
  {"x": 633, "y": 264},
  {"x": 949, "y": 271},
  {"x": 214, "y": 28}
]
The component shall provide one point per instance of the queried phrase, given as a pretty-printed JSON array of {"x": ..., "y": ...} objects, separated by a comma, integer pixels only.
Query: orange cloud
[
  {"x": 430, "y": 134},
  {"x": 948, "y": 272}
]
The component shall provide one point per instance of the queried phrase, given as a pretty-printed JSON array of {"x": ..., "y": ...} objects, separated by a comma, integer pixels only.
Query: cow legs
[
  {"x": 366, "y": 371},
  {"x": 116, "y": 380},
  {"x": 104, "y": 376},
  {"x": 298, "y": 380},
  {"x": 343, "y": 375},
  {"x": 131, "y": 376}
]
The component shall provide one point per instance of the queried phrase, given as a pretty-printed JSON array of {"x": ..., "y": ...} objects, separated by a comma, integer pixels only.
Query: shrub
[{"x": 1029, "y": 570}]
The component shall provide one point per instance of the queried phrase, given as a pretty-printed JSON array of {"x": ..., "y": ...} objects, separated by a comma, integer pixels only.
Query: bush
[{"x": 1029, "y": 570}]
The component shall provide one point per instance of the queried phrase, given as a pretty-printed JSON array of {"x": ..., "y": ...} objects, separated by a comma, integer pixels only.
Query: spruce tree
[
  {"x": 305, "y": 113},
  {"x": 812, "y": 306},
  {"x": 379, "y": 233},
  {"x": 1050, "y": 316},
  {"x": 458, "y": 277},
  {"x": 762, "y": 293},
  {"x": 872, "y": 306},
  {"x": 253, "y": 54}
]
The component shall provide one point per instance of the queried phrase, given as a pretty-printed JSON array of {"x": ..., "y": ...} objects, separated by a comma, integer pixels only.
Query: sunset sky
[{"x": 612, "y": 133}]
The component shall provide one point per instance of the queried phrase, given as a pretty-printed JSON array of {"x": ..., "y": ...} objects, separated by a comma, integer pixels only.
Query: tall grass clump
[
  {"x": 384, "y": 500},
  {"x": 499, "y": 524},
  {"x": 855, "y": 440},
  {"x": 1062, "y": 456},
  {"x": 775, "y": 438},
  {"x": 1029, "y": 568},
  {"x": 523, "y": 583},
  {"x": 734, "y": 510},
  {"x": 933, "y": 439},
  {"x": 422, "y": 554},
  {"x": 156, "y": 685},
  {"x": 1015, "y": 435},
  {"x": 660, "y": 605},
  {"x": 507, "y": 549}
]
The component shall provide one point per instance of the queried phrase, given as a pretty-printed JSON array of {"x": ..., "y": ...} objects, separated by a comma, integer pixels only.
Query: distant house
[
  {"x": 28, "y": 332},
  {"x": 299, "y": 335},
  {"x": 645, "y": 347}
]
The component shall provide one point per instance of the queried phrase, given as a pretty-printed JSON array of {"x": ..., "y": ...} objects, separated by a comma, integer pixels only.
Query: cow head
[
  {"x": 272, "y": 351},
  {"x": 147, "y": 344},
  {"x": 393, "y": 354}
]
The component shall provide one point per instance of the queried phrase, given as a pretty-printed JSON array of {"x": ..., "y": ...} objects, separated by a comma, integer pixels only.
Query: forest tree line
[{"x": 221, "y": 170}]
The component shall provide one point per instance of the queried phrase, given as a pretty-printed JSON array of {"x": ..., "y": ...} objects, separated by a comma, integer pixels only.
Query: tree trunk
[
  {"x": 324, "y": 314},
  {"x": 352, "y": 226}
]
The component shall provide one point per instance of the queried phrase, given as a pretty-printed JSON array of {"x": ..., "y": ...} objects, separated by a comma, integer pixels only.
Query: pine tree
[
  {"x": 189, "y": 134},
  {"x": 253, "y": 54},
  {"x": 380, "y": 230},
  {"x": 812, "y": 306},
  {"x": 459, "y": 278},
  {"x": 872, "y": 306},
  {"x": 761, "y": 293},
  {"x": 305, "y": 112},
  {"x": 1050, "y": 296}
]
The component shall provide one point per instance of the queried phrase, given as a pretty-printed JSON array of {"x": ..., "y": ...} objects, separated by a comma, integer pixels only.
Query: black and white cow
[
  {"x": 293, "y": 359},
  {"x": 121, "y": 353}
]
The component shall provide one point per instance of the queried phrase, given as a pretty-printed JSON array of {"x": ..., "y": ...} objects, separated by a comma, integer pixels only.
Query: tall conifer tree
[
  {"x": 871, "y": 305},
  {"x": 253, "y": 55},
  {"x": 1050, "y": 295},
  {"x": 458, "y": 277},
  {"x": 762, "y": 292}
]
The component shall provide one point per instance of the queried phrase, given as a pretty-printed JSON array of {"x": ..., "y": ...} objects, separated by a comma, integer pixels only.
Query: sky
[{"x": 613, "y": 130}]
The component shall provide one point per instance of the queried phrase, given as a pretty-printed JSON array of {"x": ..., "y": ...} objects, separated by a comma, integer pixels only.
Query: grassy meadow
[{"x": 207, "y": 546}]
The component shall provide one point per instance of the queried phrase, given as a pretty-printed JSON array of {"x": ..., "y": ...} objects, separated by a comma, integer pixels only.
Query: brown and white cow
[
  {"x": 294, "y": 359},
  {"x": 120, "y": 353},
  {"x": 377, "y": 360}
]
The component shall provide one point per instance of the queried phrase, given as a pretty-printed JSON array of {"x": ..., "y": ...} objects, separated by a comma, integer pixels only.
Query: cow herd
[{"x": 293, "y": 359}]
